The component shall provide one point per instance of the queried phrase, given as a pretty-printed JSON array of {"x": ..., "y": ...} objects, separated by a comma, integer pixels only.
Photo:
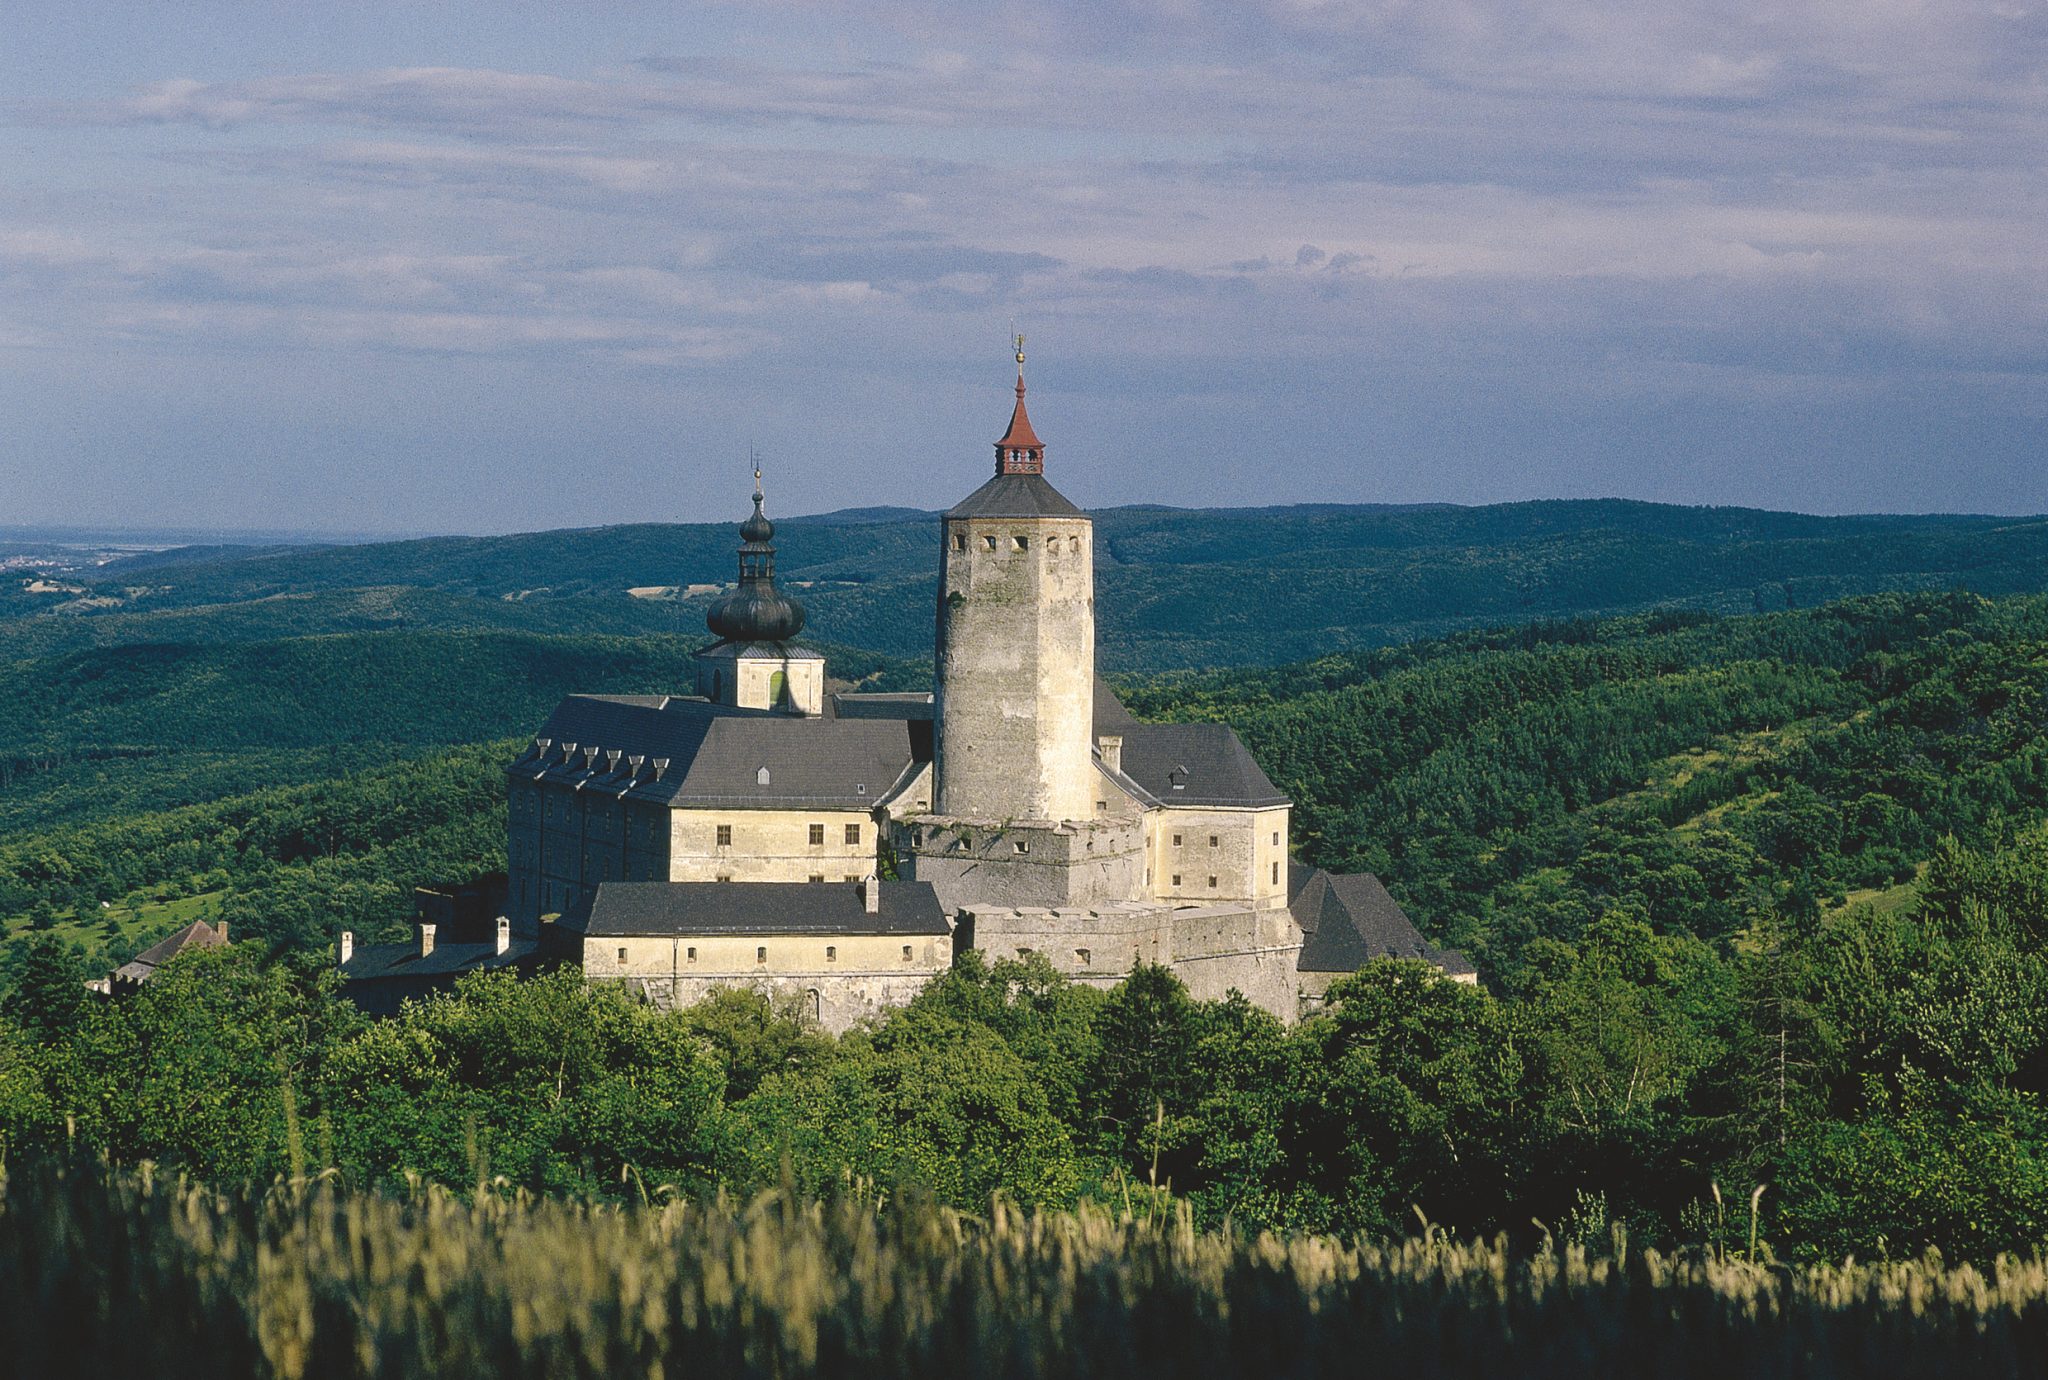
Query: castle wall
[
  {"x": 1213, "y": 856},
  {"x": 977, "y": 863},
  {"x": 562, "y": 841},
  {"x": 1016, "y": 669},
  {"x": 837, "y": 981},
  {"x": 1098, "y": 945},
  {"x": 770, "y": 845}
]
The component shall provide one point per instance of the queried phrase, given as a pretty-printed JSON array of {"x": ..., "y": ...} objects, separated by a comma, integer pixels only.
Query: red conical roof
[{"x": 1020, "y": 451}]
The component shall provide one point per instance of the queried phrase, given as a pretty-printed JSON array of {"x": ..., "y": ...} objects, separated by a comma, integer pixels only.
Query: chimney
[
  {"x": 504, "y": 934},
  {"x": 426, "y": 939},
  {"x": 220, "y": 927},
  {"x": 348, "y": 946},
  {"x": 1112, "y": 748},
  {"x": 871, "y": 894}
]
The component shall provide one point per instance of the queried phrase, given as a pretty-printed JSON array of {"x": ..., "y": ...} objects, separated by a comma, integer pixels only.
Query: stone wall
[
  {"x": 562, "y": 840},
  {"x": 1210, "y": 856},
  {"x": 770, "y": 845},
  {"x": 975, "y": 863},
  {"x": 1015, "y": 656},
  {"x": 838, "y": 980}
]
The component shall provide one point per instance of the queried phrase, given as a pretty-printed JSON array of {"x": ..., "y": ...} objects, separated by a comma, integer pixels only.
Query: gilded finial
[{"x": 1020, "y": 351}]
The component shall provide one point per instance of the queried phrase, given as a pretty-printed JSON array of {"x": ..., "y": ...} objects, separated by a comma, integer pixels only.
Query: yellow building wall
[
  {"x": 1248, "y": 858},
  {"x": 740, "y": 956},
  {"x": 769, "y": 845}
]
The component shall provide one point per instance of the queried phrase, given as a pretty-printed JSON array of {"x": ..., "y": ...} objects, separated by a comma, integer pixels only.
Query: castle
[{"x": 842, "y": 848}]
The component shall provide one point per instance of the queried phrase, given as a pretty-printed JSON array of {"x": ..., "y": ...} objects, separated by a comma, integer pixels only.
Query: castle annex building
[{"x": 844, "y": 847}]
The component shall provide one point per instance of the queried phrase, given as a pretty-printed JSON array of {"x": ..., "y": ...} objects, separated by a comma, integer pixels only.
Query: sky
[{"x": 499, "y": 267}]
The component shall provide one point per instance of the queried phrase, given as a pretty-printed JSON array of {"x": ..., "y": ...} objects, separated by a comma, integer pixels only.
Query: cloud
[{"x": 1713, "y": 199}]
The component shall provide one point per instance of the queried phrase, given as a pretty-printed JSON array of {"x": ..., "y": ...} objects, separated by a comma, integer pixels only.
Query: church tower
[
  {"x": 752, "y": 665},
  {"x": 1015, "y": 644}
]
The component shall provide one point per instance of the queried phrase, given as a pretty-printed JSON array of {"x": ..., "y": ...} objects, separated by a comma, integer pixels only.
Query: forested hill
[
  {"x": 1756, "y": 900},
  {"x": 1176, "y": 588}
]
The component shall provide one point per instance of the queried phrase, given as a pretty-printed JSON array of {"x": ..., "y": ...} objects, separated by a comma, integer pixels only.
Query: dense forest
[
  {"x": 1757, "y": 900},
  {"x": 1176, "y": 588}
]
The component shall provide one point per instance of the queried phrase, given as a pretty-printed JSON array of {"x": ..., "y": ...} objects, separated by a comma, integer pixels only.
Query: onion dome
[{"x": 756, "y": 611}]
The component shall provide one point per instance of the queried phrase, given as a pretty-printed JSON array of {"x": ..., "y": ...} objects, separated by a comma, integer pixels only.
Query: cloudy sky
[{"x": 495, "y": 267}]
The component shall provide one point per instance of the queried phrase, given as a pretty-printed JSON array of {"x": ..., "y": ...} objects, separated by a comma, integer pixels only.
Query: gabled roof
[
  {"x": 713, "y": 908},
  {"x": 1018, "y": 496},
  {"x": 1195, "y": 765},
  {"x": 197, "y": 935},
  {"x": 716, "y": 754},
  {"x": 1350, "y": 920}
]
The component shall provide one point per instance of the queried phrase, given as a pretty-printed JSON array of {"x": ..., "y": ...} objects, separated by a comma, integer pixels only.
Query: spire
[
  {"x": 756, "y": 611},
  {"x": 1020, "y": 451}
]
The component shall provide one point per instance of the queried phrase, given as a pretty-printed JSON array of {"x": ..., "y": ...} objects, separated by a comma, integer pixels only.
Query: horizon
[
  {"x": 468, "y": 268},
  {"x": 177, "y": 537}
]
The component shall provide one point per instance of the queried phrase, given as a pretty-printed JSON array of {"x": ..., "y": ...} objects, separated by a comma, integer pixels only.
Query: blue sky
[{"x": 488, "y": 268}]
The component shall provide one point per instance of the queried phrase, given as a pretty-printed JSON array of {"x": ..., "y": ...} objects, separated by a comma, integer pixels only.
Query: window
[
  {"x": 817, "y": 876},
  {"x": 853, "y": 833},
  {"x": 1026, "y": 953},
  {"x": 622, "y": 955},
  {"x": 1176, "y": 840},
  {"x": 725, "y": 876},
  {"x": 1212, "y": 840},
  {"x": 1212, "y": 884},
  {"x": 1276, "y": 838},
  {"x": 1021, "y": 543},
  {"x": 991, "y": 542},
  {"x": 761, "y": 954},
  {"x": 906, "y": 953},
  {"x": 1022, "y": 845},
  {"x": 1276, "y": 874},
  {"x": 849, "y": 877},
  {"x": 1081, "y": 956},
  {"x": 725, "y": 836},
  {"x": 959, "y": 541},
  {"x": 831, "y": 953},
  {"x": 1176, "y": 879},
  {"x": 817, "y": 836},
  {"x": 692, "y": 953}
]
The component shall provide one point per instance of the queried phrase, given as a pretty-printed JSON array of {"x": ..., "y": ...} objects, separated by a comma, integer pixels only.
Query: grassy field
[
  {"x": 125, "y": 922},
  {"x": 126, "y": 1273}
]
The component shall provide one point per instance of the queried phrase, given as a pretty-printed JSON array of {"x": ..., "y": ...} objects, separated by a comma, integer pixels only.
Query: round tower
[{"x": 1015, "y": 644}]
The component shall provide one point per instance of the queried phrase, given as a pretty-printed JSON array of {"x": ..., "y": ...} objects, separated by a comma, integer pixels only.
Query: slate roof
[
  {"x": 372, "y": 961},
  {"x": 1350, "y": 920},
  {"x": 914, "y": 706},
  {"x": 197, "y": 935},
  {"x": 728, "y": 649},
  {"x": 819, "y": 908},
  {"x": 1110, "y": 714},
  {"x": 1209, "y": 763},
  {"x": 715, "y": 754},
  {"x": 1015, "y": 495}
]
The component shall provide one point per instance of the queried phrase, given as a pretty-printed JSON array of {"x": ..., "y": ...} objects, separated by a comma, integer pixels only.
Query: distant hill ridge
[{"x": 1176, "y": 587}]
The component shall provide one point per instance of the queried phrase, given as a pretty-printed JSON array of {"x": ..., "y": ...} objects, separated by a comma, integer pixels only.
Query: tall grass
[{"x": 116, "y": 1273}]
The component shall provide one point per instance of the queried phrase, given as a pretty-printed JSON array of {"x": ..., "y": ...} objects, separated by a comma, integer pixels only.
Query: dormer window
[
  {"x": 1178, "y": 778},
  {"x": 761, "y": 777}
]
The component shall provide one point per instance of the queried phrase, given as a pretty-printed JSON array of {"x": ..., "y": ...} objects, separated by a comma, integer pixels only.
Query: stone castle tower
[{"x": 1015, "y": 644}]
